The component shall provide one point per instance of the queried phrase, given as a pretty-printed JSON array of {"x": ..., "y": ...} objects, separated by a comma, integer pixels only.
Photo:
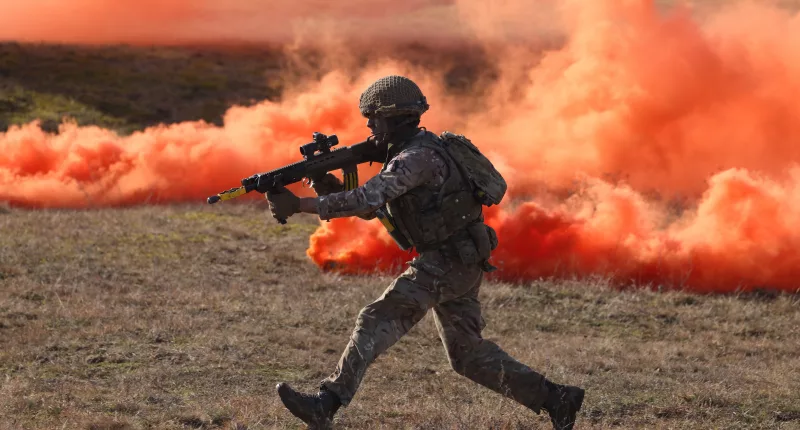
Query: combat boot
[
  {"x": 316, "y": 410},
  {"x": 563, "y": 404}
]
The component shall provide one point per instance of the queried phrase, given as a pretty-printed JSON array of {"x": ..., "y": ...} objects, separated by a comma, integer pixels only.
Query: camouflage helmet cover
[{"x": 391, "y": 96}]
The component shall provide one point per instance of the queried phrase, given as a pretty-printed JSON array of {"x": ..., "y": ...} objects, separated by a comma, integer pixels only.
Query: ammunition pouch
[
  {"x": 480, "y": 238},
  {"x": 472, "y": 245}
]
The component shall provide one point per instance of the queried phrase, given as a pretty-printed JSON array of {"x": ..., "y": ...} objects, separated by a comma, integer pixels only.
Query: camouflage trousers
[{"x": 451, "y": 289}]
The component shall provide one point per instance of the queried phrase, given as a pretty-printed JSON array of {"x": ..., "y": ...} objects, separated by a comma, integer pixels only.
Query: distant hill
[{"x": 128, "y": 88}]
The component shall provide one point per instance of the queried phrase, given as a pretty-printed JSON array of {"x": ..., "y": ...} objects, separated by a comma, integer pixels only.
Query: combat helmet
[{"x": 391, "y": 96}]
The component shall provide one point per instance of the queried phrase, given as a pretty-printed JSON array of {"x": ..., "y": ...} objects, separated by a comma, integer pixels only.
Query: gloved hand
[
  {"x": 329, "y": 184},
  {"x": 283, "y": 204}
]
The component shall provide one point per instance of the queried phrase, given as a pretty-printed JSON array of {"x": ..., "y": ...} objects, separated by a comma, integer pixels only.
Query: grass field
[{"x": 187, "y": 317}]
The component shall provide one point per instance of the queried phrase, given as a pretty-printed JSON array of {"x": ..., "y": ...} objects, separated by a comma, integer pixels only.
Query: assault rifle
[{"x": 318, "y": 160}]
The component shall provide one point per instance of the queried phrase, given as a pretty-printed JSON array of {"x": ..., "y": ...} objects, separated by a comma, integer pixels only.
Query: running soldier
[{"x": 426, "y": 200}]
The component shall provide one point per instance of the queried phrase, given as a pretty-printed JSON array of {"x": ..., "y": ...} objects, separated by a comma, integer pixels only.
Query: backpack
[{"x": 487, "y": 183}]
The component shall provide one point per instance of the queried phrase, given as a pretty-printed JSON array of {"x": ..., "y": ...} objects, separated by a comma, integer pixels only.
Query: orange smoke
[
  {"x": 91, "y": 167},
  {"x": 204, "y": 21},
  {"x": 741, "y": 236},
  {"x": 654, "y": 146},
  {"x": 96, "y": 20},
  {"x": 701, "y": 119}
]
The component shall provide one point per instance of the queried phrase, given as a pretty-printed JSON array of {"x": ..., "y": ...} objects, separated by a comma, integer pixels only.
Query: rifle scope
[{"x": 321, "y": 144}]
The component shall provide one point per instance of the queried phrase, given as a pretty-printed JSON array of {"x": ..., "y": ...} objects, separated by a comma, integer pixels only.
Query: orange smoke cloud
[
  {"x": 653, "y": 147},
  {"x": 741, "y": 236},
  {"x": 691, "y": 113},
  {"x": 192, "y": 21},
  {"x": 91, "y": 167},
  {"x": 96, "y": 20}
]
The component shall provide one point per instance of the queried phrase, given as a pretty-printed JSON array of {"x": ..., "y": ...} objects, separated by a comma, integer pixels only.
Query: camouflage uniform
[
  {"x": 438, "y": 280},
  {"x": 429, "y": 196}
]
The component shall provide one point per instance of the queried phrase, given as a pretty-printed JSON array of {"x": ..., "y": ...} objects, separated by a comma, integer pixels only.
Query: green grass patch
[{"x": 21, "y": 106}]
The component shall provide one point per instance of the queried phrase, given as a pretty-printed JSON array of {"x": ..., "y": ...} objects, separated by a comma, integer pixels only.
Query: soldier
[{"x": 421, "y": 191}]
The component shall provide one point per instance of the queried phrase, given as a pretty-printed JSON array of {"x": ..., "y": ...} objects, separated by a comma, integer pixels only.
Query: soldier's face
[
  {"x": 378, "y": 125},
  {"x": 380, "y": 128}
]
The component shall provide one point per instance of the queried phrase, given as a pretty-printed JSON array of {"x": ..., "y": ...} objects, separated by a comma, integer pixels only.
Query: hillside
[{"x": 128, "y": 88}]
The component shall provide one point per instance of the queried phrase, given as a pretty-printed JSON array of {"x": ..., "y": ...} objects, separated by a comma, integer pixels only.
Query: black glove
[
  {"x": 329, "y": 184},
  {"x": 283, "y": 204}
]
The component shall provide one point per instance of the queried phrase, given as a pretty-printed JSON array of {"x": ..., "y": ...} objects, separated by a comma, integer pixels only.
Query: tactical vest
[{"x": 427, "y": 218}]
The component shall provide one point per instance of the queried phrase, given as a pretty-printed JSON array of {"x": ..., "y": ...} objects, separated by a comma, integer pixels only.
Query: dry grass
[{"x": 187, "y": 317}]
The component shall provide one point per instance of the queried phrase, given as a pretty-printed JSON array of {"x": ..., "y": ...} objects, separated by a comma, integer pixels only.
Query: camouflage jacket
[{"x": 409, "y": 169}]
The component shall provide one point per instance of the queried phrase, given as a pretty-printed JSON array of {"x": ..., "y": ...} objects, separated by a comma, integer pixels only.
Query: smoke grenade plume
[{"x": 655, "y": 145}]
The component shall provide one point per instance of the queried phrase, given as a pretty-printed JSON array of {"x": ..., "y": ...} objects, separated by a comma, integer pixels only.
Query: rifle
[{"x": 318, "y": 160}]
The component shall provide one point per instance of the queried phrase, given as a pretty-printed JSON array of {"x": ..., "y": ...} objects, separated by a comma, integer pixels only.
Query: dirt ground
[{"x": 187, "y": 316}]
